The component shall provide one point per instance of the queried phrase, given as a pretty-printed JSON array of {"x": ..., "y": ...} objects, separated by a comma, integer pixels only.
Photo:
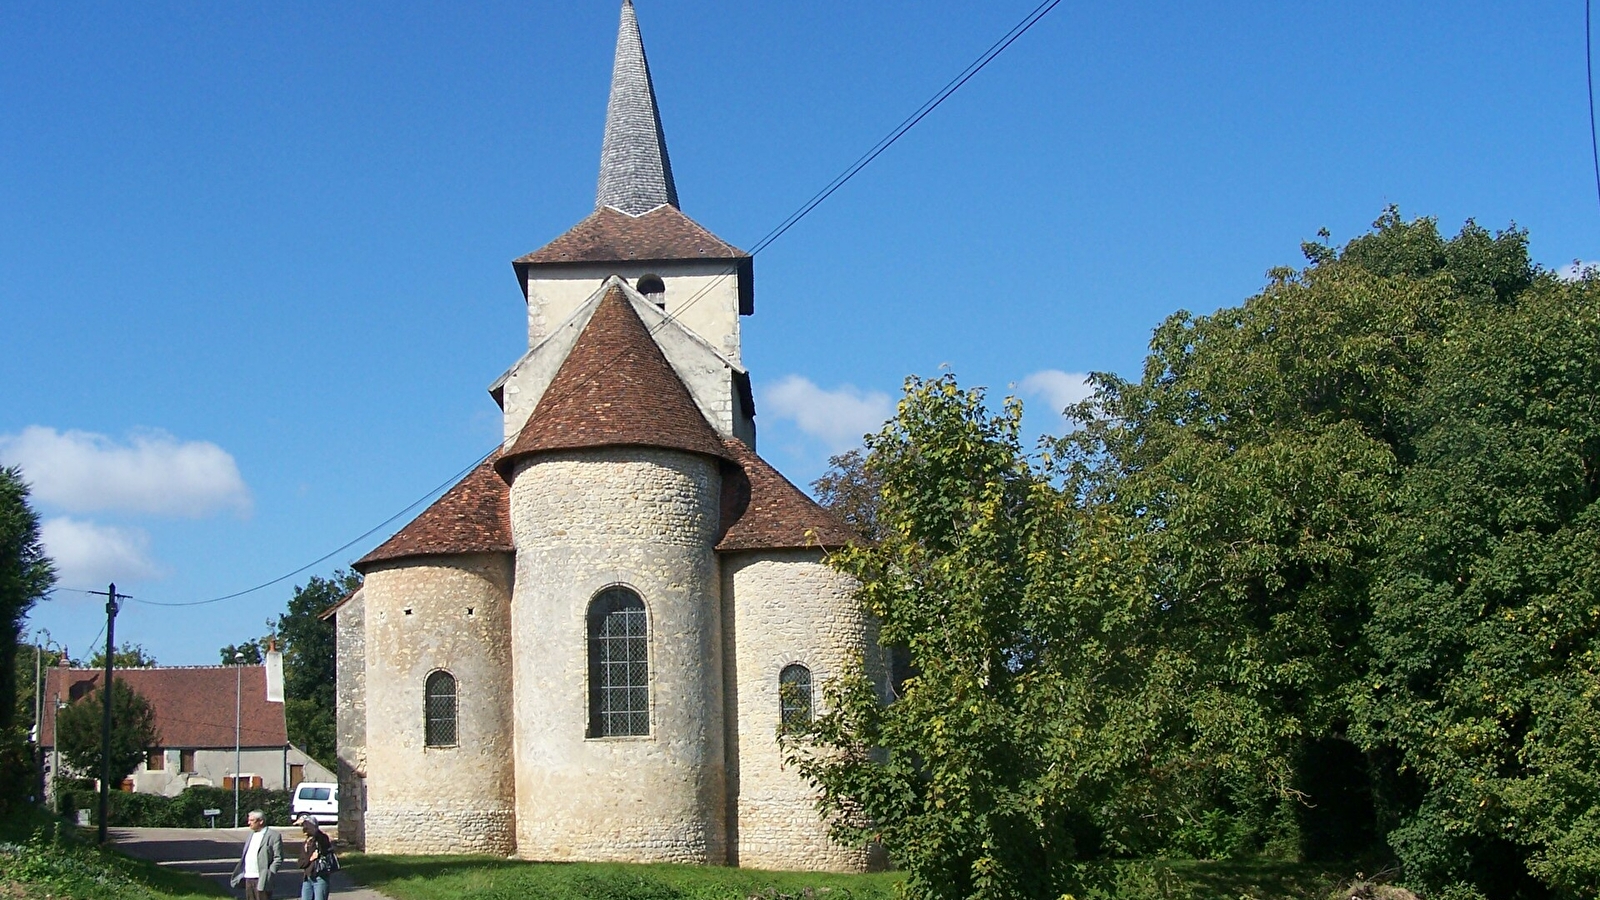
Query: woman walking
[{"x": 315, "y": 861}]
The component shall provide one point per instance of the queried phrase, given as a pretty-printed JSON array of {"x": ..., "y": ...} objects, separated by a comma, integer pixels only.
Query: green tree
[
  {"x": 309, "y": 666},
  {"x": 850, "y": 490},
  {"x": 1366, "y": 501},
  {"x": 133, "y": 732},
  {"x": 127, "y": 655},
  {"x": 248, "y": 653},
  {"x": 26, "y": 576},
  {"x": 30, "y": 670},
  {"x": 1037, "y": 698},
  {"x": 1485, "y": 627}
]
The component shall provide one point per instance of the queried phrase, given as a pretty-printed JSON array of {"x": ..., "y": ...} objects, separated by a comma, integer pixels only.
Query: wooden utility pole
[{"x": 105, "y": 718}]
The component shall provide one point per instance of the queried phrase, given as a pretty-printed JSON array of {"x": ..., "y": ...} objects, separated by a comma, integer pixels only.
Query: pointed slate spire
[{"x": 635, "y": 174}]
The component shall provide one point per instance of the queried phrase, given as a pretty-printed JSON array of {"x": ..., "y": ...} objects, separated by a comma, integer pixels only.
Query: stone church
[{"x": 584, "y": 649}]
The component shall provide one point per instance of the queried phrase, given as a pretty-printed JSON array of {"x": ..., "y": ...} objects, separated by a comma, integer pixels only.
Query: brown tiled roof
[
  {"x": 607, "y": 235},
  {"x": 615, "y": 388},
  {"x": 777, "y": 514},
  {"x": 193, "y": 705},
  {"x": 472, "y": 517}
]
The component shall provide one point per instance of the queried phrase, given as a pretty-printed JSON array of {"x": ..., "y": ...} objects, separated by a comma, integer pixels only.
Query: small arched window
[
  {"x": 653, "y": 289},
  {"x": 794, "y": 695},
  {"x": 619, "y": 665},
  {"x": 439, "y": 710}
]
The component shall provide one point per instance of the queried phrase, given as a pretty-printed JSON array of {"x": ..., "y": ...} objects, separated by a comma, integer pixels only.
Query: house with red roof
[
  {"x": 199, "y": 723},
  {"x": 585, "y": 649}
]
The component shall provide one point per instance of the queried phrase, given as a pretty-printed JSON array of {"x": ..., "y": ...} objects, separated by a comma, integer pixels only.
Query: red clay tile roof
[
  {"x": 607, "y": 235},
  {"x": 615, "y": 388},
  {"x": 193, "y": 705},
  {"x": 472, "y": 517},
  {"x": 776, "y": 515}
]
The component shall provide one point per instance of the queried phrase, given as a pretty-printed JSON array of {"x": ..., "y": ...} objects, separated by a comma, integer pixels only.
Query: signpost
[{"x": 212, "y": 815}]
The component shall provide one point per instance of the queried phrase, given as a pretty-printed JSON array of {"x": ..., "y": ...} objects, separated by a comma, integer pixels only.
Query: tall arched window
[
  {"x": 439, "y": 710},
  {"x": 794, "y": 695},
  {"x": 619, "y": 665}
]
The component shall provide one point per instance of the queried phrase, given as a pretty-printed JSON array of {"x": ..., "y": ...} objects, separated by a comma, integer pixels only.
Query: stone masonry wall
[
  {"x": 350, "y": 722},
  {"x": 645, "y": 519},
  {"x": 555, "y": 295},
  {"x": 422, "y": 615},
  {"x": 783, "y": 607}
]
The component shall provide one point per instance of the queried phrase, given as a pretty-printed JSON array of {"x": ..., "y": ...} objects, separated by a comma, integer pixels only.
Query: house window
[
  {"x": 155, "y": 761},
  {"x": 439, "y": 702},
  {"x": 619, "y": 665},
  {"x": 794, "y": 695},
  {"x": 186, "y": 762}
]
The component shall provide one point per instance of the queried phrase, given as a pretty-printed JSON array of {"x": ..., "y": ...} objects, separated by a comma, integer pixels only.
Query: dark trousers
[{"x": 252, "y": 893}]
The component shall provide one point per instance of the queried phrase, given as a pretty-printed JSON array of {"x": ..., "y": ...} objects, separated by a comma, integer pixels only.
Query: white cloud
[
  {"x": 1057, "y": 388},
  {"x": 153, "y": 472},
  {"x": 838, "y": 417},
  {"x": 1574, "y": 270},
  {"x": 88, "y": 554}
]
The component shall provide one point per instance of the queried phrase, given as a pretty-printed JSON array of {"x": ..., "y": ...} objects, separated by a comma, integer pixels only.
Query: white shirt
[{"x": 252, "y": 869}]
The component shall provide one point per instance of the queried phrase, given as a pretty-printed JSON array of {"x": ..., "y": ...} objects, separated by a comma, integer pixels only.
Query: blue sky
[{"x": 255, "y": 270}]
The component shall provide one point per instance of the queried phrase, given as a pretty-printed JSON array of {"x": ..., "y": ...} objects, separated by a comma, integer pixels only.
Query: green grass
[
  {"x": 492, "y": 878},
  {"x": 42, "y": 859}
]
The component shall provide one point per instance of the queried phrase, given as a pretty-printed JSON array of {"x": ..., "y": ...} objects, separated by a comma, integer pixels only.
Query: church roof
[
  {"x": 635, "y": 173},
  {"x": 615, "y": 388},
  {"x": 777, "y": 515},
  {"x": 472, "y": 517},
  {"x": 607, "y": 235}
]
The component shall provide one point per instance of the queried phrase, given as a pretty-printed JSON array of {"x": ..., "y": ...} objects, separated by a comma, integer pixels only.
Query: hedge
[{"x": 135, "y": 810}]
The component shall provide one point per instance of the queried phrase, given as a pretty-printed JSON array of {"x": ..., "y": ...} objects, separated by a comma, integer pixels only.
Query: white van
[{"x": 317, "y": 799}]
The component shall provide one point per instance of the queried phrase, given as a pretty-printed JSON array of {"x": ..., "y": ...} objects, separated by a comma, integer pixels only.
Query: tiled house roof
[
  {"x": 193, "y": 705},
  {"x": 472, "y": 517},
  {"x": 777, "y": 514},
  {"x": 615, "y": 388}
]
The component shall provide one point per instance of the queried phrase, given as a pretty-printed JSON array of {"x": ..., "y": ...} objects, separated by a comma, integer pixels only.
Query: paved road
[{"x": 212, "y": 853}]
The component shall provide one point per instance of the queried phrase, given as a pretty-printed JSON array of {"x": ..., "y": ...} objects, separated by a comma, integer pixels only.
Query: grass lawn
[
  {"x": 40, "y": 859},
  {"x": 492, "y": 878}
]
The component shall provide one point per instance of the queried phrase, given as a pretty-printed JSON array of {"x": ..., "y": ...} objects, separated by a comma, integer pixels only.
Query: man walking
[{"x": 262, "y": 856}]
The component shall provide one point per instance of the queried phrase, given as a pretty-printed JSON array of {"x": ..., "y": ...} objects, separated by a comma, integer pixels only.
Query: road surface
[{"x": 212, "y": 853}]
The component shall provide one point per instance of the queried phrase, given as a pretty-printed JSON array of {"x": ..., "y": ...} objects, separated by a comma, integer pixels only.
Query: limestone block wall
[
  {"x": 786, "y": 606},
  {"x": 583, "y": 521},
  {"x": 350, "y": 719},
  {"x": 422, "y": 615},
  {"x": 554, "y": 294}
]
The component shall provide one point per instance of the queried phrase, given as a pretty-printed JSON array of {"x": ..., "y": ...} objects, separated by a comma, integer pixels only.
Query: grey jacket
[{"x": 269, "y": 858}]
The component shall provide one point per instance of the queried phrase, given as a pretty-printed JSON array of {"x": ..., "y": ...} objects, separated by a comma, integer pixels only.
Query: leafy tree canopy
[
  {"x": 1326, "y": 576},
  {"x": 26, "y": 575},
  {"x": 247, "y": 653},
  {"x": 133, "y": 732},
  {"x": 127, "y": 655},
  {"x": 309, "y": 665}
]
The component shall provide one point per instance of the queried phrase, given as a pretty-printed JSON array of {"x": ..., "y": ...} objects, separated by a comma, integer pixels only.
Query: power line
[
  {"x": 1588, "y": 68},
  {"x": 839, "y": 181},
  {"x": 326, "y": 556},
  {"x": 943, "y": 94}
]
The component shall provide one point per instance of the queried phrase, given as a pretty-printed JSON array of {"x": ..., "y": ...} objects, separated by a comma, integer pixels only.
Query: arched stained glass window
[
  {"x": 794, "y": 695},
  {"x": 439, "y": 710},
  {"x": 619, "y": 665}
]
